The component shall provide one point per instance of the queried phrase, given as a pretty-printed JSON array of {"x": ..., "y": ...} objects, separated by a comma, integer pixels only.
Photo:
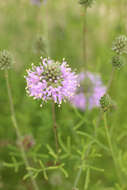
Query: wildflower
[
  {"x": 6, "y": 60},
  {"x": 90, "y": 91},
  {"x": 120, "y": 45},
  {"x": 51, "y": 81}
]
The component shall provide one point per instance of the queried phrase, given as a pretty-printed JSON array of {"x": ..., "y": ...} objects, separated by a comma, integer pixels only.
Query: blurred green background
[{"x": 85, "y": 40}]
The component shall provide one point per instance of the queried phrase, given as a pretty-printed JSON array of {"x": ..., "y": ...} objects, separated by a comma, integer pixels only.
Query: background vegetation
[{"x": 84, "y": 38}]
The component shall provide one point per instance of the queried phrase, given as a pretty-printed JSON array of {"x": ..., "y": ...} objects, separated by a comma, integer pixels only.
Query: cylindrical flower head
[
  {"x": 51, "y": 81},
  {"x": 117, "y": 62},
  {"x": 86, "y": 3},
  {"x": 120, "y": 45},
  {"x": 107, "y": 103},
  {"x": 90, "y": 91},
  {"x": 6, "y": 60}
]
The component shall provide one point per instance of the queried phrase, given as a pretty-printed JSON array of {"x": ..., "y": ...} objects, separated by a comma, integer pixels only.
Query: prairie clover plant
[
  {"x": 119, "y": 47},
  {"x": 51, "y": 80},
  {"x": 90, "y": 91},
  {"x": 6, "y": 62}
]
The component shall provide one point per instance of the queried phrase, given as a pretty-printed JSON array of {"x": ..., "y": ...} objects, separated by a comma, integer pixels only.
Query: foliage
[{"x": 91, "y": 152}]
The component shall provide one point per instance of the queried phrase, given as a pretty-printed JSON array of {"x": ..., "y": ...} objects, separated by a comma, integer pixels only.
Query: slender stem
[
  {"x": 111, "y": 147},
  {"x": 84, "y": 38},
  {"x": 108, "y": 88},
  {"x": 110, "y": 80},
  {"x": 77, "y": 178},
  {"x": 55, "y": 125},
  {"x": 80, "y": 169},
  {"x": 15, "y": 125}
]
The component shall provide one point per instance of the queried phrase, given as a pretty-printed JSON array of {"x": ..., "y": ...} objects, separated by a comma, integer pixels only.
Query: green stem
[
  {"x": 77, "y": 179},
  {"x": 80, "y": 169},
  {"x": 111, "y": 147},
  {"x": 84, "y": 39},
  {"x": 55, "y": 126},
  {"x": 110, "y": 80},
  {"x": 15, "y": 125},
  {"x": 108, "y": 88}
]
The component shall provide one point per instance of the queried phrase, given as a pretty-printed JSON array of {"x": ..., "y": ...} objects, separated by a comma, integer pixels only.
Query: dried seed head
[
  {"x": 6, "y": 60},
  {"x": 120, "y": 45}
]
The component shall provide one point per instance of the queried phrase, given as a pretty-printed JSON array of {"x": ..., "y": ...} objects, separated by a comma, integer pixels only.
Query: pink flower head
[
  {"x": 51, "y": 81},
  {"x": 90, "y": 91}
]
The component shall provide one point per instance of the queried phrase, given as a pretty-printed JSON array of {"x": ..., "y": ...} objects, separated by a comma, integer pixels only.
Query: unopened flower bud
[
  {"x": 117, "y": 62},
  {"x": 6, "y": 60},
  {"x": 106, "y": 103},
  {"x": 120, "y": 45}
]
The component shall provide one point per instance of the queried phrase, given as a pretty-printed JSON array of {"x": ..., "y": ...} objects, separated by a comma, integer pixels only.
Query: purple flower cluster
[
  {"x": 51, "y": 81},
  {"x": 90, "y": 91}
]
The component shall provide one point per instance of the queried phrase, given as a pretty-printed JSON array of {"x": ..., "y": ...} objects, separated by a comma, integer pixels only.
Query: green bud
[
  {"x": 117, "y": 62},
  {"x": 106, "y": 103},
  {"x": 6, "y": 60},
  {"x": 120, "y": 45}
]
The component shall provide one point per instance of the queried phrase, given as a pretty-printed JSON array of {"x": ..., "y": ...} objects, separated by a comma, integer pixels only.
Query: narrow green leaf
[
  {"x": 89, "y": 136},
  {"x": 87, "y": 180}
]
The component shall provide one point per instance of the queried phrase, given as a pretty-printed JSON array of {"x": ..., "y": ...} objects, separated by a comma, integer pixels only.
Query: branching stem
[
  {"x": 111, "y": 147},
  {"x": 17, "y": 130}
]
